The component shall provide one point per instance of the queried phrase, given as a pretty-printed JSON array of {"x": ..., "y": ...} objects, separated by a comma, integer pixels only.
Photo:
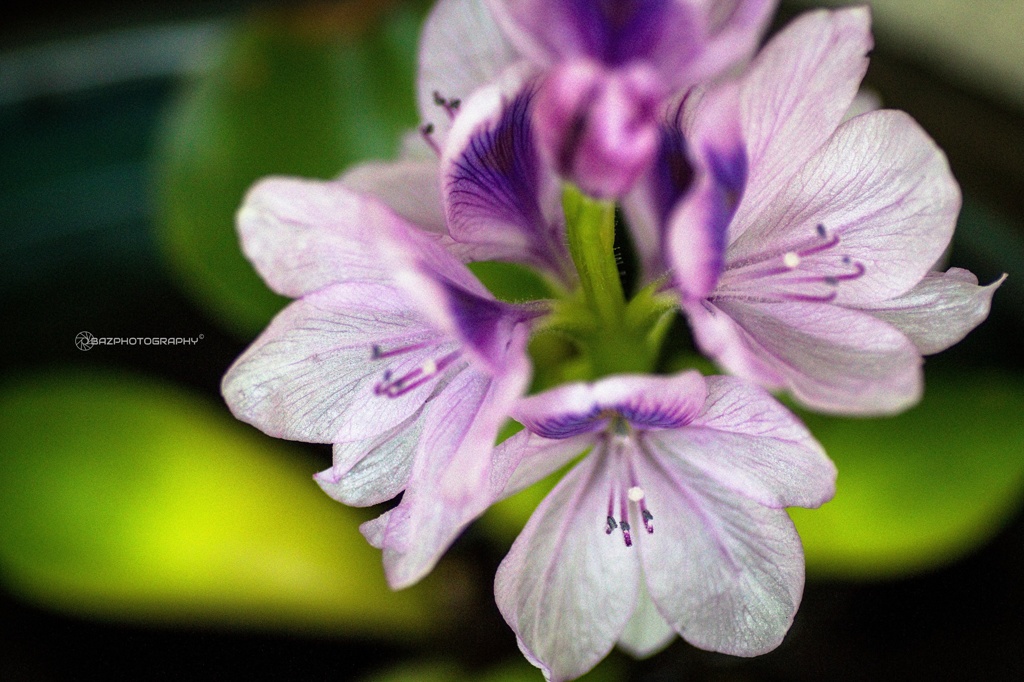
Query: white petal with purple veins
[
  {"x": 796, "y": 92},
  {"x": 881, "y": 194},
  {"x": 940, "y": 310},
  {"x": 461, "y": 49},
  {"x": 567, "y": 588},
  {"x": 726, "y": 572},
  {"x": 831, "y": 358},
  {"x": 749, "y": 443},
  {"x": 311, "y": 375}
]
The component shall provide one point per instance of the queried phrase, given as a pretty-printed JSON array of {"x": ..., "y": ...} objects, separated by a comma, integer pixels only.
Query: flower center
[
  {"x": 394, "y": 385},
  {"x": 810, "y": 271}
]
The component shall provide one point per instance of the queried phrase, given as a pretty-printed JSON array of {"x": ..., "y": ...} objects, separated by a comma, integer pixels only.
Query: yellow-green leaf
[
  {"x": 126, "y": 498},
  {"x": 920, "y": 489}
]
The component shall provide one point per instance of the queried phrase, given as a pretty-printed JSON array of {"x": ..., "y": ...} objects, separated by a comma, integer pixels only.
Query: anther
[
  {"x": 821, "y": 231},
  {"x": 625, "y": 532},
  {"x": 427, "y": 132},
  {"x": 450, "y": 106},
  {"x": 648, "y": 518},
  {"x": 611, "y": 526}
]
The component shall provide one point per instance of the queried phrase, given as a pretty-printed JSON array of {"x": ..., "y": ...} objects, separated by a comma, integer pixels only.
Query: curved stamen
[
  {"x": 378, "y": 354},
  {"x": 791, "y": 276},
  {"x": 822, "y": 241},
  {"x": 625, "y": 488},
  {"x": 395, "y": 387},
  {"x": 427, "y": 132}
]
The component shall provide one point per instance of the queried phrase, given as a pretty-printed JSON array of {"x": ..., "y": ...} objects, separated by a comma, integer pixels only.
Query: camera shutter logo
[{"x": 85, "y": 340}]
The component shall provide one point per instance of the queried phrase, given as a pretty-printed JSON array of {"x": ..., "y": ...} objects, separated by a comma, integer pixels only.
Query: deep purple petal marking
[
  {"x": 498, "y": 177},
  {"x": 617, "y": 32}
]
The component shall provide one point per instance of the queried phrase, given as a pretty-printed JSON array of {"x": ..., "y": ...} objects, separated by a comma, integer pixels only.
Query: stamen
[
  {"x": 648, "y": 518},
  {"x": 427, "y": 132},
  {"x": 625, "y": 533},
  {"x": 624, "y": 521},
  {"x": 394, "y": 388},
  {"x": 624, "y": 490},
  {"x": 788, "y": 275},
  {"x": 450, "y": 105},
  {"x": 379, "y": 354}
]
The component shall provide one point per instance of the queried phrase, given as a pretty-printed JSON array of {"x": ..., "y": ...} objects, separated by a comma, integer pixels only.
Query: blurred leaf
[
  {"x": 303, "y": 91},
  {"x": 922, "y": 488},
  {"x": 130, "y": 499}
]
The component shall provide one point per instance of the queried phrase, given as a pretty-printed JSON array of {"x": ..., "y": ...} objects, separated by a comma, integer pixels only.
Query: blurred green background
[{"x": 146, "y": 534}]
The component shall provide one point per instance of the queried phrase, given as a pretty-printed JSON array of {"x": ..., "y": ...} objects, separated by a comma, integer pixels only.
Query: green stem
[{"x": 591, "y": 228}]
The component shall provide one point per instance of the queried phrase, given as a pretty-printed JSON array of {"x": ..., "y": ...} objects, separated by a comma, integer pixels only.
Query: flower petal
[
  {"x": 664, "y": 32},
  {"x": 795, "y": 94},
  {"x": 749, "y": 443},
  {"x": 526, "y": 458},
  {"x": 883, "y": 189},
  {"x": 649, "y": 203},
  {"x": 733, "y": 30},
  {"x": 646, "y": 402},
  {"x": 696, "y": 238},
  {"x": 647, "y": 633},
  {"x": 411, "y": 188},
  {"x": 726, "y": 572},
  {"x": 461, "y": 49},
  {"x": 498, "y": 194},
  {"x": 305, "y": 234},
  {"x": 832, "y": 359},
  {"x": 598, "y": 126},
  {"x": 940, "y": 310},
  {"x": 368, "y": 473},
  {"x": 566, "y": 588},
  {"x": 456, "y": 303},
  {"x": 311, "y": 371}
]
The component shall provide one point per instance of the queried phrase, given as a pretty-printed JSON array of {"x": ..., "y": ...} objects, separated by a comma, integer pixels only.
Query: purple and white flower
[
  {"x": 603, "y": 69},
  {"x": 609, "y": 67},
  {"x": 674, "y": 522},
  {"x": 393, "y": 352},
  {"x": 803, "y": 254}
]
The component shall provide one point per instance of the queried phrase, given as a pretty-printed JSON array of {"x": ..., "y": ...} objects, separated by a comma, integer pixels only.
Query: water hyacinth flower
[
  {"x": 610, "y": 65},
  {"x": 673, "y": 523},
  {"x": 603, "y": 69},
  {"x": 393, "y": 352},
  {"x": 803, "y": 255}
]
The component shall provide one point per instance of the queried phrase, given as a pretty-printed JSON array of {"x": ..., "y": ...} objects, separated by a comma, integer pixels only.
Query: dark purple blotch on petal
[
  {"x": 729, "y": 170},
  {"x": 617, "y": 32},
  {"x": 481, "y": 321},
  {"x": 645, "y": 416},
  {"x": 498, "y": 177},
  {"x": 672, "y": 171},
  {"x": 569, "y": 425}
]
